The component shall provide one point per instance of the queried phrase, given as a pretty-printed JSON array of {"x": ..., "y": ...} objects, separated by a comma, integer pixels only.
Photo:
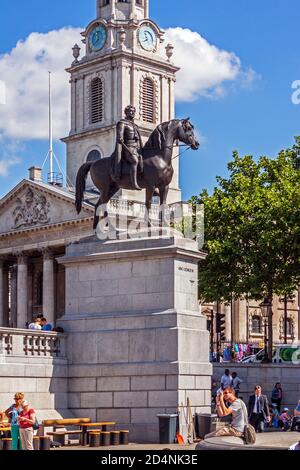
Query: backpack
[
  {"x": 249, "y": 431},
  {"x": 35, "y": 425}
]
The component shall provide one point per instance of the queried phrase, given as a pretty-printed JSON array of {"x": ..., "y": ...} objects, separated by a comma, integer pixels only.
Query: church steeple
[
  {"x": 122, "y": 9},
  {"x": 124, "y": 61}
]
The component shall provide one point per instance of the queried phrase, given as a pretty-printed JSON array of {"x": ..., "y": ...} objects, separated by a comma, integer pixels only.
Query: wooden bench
[{"x": 60, "y": 435}]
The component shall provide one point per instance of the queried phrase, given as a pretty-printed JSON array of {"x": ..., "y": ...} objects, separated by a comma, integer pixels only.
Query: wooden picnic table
[{"x": 101, "y": 424}]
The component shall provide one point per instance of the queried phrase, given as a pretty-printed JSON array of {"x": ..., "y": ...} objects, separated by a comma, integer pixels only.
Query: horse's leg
[
  {"x": 149, "y": 195},
  {"x": 163, "y": 194}
]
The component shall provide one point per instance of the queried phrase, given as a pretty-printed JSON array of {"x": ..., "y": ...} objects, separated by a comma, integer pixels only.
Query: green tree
[{"x": 252, "y": 231}]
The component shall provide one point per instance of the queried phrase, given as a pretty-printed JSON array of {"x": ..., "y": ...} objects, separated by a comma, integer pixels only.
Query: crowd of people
[
  {"x": 260, "y": 412},
  {"x": 22, "y": 420}
]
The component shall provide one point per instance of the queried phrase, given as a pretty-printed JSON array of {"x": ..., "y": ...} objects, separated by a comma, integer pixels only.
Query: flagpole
[{"x": 50, "y": 133}]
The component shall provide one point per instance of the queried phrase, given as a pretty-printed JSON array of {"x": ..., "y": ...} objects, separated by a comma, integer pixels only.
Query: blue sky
[{"x": 256, "y": 118}]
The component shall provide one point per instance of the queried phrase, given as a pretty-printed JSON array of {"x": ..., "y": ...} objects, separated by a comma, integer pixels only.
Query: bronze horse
[{"x": 157, "y": 173}]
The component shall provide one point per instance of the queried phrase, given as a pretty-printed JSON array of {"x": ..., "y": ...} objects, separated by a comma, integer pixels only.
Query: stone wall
[{"x": 265, "y": 375}]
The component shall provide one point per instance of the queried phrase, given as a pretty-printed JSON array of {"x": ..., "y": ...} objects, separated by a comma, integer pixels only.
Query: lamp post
[{"x": 266, "y": 310}]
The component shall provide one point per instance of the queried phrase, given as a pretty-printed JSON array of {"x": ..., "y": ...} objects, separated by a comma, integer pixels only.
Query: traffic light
[{"x": 220, "y": 323}]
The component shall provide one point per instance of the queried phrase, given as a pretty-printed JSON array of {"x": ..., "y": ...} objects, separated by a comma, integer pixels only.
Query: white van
[{"x": 282, "y": 354}]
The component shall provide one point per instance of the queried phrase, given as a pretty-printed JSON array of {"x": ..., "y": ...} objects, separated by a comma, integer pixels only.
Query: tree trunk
[{"x": 270, "y": 330}]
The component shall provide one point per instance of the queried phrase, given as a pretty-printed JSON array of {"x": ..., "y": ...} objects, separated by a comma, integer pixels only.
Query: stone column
[
  {"x": 133, "y": 10},
  {"x": 146, "y": 8},
  {"x": 48, "y": 287},
  {"x": 1, "y": 293},
  {"x": 22, "y": 290}
]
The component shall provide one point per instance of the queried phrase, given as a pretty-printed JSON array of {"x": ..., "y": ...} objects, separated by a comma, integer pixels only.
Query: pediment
[{"x": 31, "y": 204}]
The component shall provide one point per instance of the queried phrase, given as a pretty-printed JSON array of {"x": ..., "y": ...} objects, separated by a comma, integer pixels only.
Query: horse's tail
[{"x": 80, "y": 184}]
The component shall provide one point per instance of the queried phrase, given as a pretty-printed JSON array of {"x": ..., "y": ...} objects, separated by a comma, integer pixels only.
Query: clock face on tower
[
  {"x": 147, "y": 38},
  {"x": 97, "y": 38}
]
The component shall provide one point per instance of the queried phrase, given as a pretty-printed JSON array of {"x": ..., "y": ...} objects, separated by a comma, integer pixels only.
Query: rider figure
[{"x": 129, "y": 142}]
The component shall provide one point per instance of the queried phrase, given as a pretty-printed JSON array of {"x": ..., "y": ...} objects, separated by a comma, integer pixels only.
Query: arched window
[
  {"x": 289, "y": 326},
  {"x": 96, "y": 101},
  {"x": 105, "y": 2},
  {"x": 148, "y": 100},
  {"x": 256, "y": 324},
  {"x": 93, "y": 156}
]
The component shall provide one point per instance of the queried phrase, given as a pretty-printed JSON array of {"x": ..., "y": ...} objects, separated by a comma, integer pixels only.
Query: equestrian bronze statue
[{"x": 132, "y": 166}]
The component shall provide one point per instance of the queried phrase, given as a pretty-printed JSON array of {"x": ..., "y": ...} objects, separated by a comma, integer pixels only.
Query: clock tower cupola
[
  {"x": 122, "y": 10},
  {"x": 124, "y": 60}
]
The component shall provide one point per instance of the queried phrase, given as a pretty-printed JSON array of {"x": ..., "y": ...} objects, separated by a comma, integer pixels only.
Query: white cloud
[
  {"x": 204, "y": 67},
  {"x": 2, "y": 92},
  {"x": 24, "y": 70}
]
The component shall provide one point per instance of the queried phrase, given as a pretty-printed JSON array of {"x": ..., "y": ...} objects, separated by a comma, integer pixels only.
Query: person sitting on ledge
[
  {"x": 35, "y": 325},
  {"x": 45, "y": 325},
  {"x": 236, "y": 428},
  {"x": 296, "y": 418}
]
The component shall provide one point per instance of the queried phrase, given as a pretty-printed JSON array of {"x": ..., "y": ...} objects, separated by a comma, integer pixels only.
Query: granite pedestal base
[{"x": 137, "y": 344}]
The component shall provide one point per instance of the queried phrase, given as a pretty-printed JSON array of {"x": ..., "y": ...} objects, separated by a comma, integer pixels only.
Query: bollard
[
  {"x": 115, "y": 438},
  {"x": 124, "y": 438},
  {"x": 105, "y": 438},
  {"x": 94, "y": 438},
  {"x": 6, "y": 443},
  {"x": 45, "y": 443},
  {"x": 36, "y": 443}
]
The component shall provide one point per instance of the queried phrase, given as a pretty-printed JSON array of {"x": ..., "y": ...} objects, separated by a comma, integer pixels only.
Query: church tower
[{"x": 126, "y": 61}]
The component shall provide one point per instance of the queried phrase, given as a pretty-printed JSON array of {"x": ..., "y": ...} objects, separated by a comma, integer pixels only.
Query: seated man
[
  {"x": 45, "y": 325},
  {"x": 296, "y": 418},
  {"x": 235, "y": 409}
]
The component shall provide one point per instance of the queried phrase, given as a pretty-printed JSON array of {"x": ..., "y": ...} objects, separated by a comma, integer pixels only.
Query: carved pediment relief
[{"x": 31, "y": 209}]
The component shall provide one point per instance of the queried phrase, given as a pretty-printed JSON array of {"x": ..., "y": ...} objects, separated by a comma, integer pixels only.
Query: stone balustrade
[
  {"x": 137, "y": 209},
  {"x": 31, "y": 343}
]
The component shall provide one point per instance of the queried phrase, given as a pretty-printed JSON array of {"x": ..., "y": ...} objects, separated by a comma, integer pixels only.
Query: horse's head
[{"x": 186, "y": 134}]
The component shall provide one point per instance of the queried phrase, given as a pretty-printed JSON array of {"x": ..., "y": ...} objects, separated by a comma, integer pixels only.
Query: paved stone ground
[{"x": 278, "y": 440}]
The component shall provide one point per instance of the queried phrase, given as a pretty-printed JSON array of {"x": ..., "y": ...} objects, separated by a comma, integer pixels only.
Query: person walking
[
  {"x": 13, "y": 413},
  {"x": 258, "y": 410},
  {"x": 26, "y": 422},
  {"x": 277, "y": 395},
  {"x": 226, "y": 379},
  {"x": 236, "y": 382},
  {"x": 235, "y": 409}
]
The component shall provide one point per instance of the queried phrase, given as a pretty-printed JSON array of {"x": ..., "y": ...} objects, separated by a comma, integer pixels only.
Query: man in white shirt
[
  {"x": 236, "y": 381},
  {"x": 226, "y": 380}
]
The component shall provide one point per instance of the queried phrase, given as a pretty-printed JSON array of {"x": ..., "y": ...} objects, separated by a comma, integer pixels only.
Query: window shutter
[
  {"x": 148, "y": 100},
  {"x": 96, "y": 98}
]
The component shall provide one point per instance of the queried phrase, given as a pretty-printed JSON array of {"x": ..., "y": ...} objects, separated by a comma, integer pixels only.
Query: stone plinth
[{"x": 137, "y": 345}]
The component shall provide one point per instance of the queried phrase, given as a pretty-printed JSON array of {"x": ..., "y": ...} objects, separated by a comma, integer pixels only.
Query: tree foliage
[{"x": 252, "y": 229}]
